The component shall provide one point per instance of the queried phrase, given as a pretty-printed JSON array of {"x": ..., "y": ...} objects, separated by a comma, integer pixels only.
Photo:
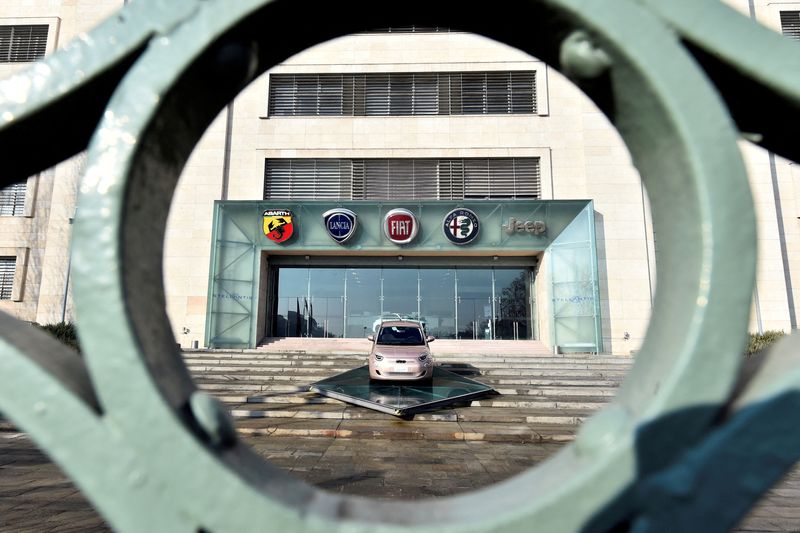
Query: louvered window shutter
[
  {"x": 376, "y": 89},
  {"x": 426, "y": 94},
  {"x": 7, "y": 268},
  {"x": 376, "y": 176},
  {"x": 12, "y": 199},
  {"x": 23, "y": 43},
  {"x": 501, "y": 178},
  {"x": 400, "y": 94},
  {"x": 308, "y": 179},
  {"x": 790, "y": 24},
  {"x": 401, "y": 179},
  {"x": 523, "y": 92}
]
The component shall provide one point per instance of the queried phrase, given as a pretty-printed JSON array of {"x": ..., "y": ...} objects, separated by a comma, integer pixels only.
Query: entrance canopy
[{"x": 496, "y": 242}]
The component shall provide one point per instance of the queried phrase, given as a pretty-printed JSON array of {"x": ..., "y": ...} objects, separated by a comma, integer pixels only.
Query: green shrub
[
  {"x": 759, "y": 341},
  {"x": 63, "y": 331}
]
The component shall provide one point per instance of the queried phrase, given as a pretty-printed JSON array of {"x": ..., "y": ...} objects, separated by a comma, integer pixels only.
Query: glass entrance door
[
  {"x": 474, "y": 303},
  {"x": 437, "y": 300},
  {"x": 453, "y": 303},
  {"x": 512, "y": 304},
  {"x": 326, "y": 302},
  {"x": 363, "y": 300}
]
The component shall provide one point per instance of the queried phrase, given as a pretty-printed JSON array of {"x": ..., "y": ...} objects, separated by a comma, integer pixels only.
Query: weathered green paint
[{"x": 121, "y": 422}]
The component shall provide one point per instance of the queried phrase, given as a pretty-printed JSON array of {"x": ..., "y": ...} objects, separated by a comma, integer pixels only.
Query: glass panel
[
  {"x": 231, "y": 303},
  {"x": 444, "y": 388},
  {"x": 437, "y": 293},
  {"x": 573, "y": 273},
  {"x": 326, "y": 307},
  {"x": 512, "y": 310},
  {"x": 291, "y": 318},
  {"x": 474, "y": 303},
  {"x": 400, "y": 292},
  {"x": 363, "y": 300}
]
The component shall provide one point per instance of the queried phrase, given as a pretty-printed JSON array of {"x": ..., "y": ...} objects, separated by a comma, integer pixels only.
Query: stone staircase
[{"x": 543, "y": 397}]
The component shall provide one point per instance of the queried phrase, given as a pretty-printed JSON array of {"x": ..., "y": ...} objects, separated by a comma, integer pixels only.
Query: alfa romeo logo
[
  {"x": 400, "y": 226},
  {"x": 461, "y": 226},
  {"x": 278, "y": 225},
  {"x": 340, "y": 223}
]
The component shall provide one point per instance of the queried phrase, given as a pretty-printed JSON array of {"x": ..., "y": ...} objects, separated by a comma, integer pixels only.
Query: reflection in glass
[
  {"x": 326, "y": 302},
  {"x": 474, "y": 307},
  {"x": 401, "y": 398},
  {"x": 512, "y": 294},
  {"x": 437, "y": 293},
  {"x": 400, "y": 292},
  {"x": 291, "y": 317},
  {"x": 363, "y": 300},
  {"x": 469, "y": 303}
]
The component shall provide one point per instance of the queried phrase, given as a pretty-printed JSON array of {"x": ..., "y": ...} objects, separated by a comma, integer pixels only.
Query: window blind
[
  {"x": 12, "y": 199},
  {"x": 398, "y": 94},
  {"x": 402, "y": 179},
  {"x": 790, "y": 24},
  {"x": 23, "y": 42},
  {"x": 7, "y": 268}
]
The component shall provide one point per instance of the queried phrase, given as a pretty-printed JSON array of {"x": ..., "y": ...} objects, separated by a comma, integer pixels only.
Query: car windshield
[{"x": 401, "y": 336}]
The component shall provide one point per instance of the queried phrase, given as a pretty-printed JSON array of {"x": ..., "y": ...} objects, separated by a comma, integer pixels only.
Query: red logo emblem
[
  {"x": 400, "y": 226},
  {"x": 278, "y": 224}
]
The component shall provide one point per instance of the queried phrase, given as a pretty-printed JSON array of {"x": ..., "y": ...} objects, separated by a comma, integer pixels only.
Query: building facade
[{"x": 421, "y": 172}]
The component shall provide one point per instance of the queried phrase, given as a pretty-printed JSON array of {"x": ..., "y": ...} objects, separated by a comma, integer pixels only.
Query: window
[
  {"x": 7, "y": 269},
  {"x": 398, "y": 94},
  {"x": 790, "y": 24},
  {"x": 12, "y": 200},
  {"x": 402, "y": 179},
  {"x": 23, "y": 43}
]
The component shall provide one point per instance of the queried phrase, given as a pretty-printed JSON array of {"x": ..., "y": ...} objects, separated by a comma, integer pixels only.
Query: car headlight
[
  {"x": 423, "y": 357},
  {"x": 378, "y": 357}
]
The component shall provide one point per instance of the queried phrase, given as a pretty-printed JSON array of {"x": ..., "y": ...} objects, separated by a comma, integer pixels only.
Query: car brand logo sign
[
  {"x": 400, "y": 226},
  {"x": 461, "y": 226},
  {"x": 278, "y": 225},
  {"x": 340, "y": 223}
]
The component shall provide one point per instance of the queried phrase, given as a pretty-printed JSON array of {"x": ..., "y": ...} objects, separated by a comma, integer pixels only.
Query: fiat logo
[{"x": 400, "y": 226}]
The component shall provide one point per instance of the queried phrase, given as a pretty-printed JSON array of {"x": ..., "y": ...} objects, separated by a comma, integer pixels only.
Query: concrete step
[
  {"x": 494, "y": 381},
  {"x": 440, "y": 346},
  {"x": 543, "y": 397},
  {"x": 398, "y": 429},
  {"x": 329, "y": 359},
  {"x": 560, "y": 417}
]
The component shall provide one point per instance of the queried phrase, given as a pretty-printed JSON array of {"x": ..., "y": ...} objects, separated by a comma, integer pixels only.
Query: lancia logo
[
  {"x": 400, "y": 226},
  {"x": 461, "y": 226},
  {"x": 340, "y": 223},
  {"x": 278, "y": 225}
]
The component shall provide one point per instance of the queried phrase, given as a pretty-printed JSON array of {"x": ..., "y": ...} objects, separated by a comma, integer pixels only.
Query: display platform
[{"x": 401, "y": 398}]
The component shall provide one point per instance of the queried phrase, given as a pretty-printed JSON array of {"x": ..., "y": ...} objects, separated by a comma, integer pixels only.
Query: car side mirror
[
  {"x": 370, "y": 337},
  {"x": 430, "y": 338}
]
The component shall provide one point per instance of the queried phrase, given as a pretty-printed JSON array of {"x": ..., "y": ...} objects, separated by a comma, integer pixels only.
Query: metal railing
[{"x": 676, "y": 449}]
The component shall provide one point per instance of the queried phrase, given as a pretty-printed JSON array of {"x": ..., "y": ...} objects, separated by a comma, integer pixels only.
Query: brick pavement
[{"x": 36, "y": 497}]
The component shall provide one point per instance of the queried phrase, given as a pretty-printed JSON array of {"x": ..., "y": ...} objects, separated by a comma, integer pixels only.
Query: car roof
[{"x": 402, "y": 323}]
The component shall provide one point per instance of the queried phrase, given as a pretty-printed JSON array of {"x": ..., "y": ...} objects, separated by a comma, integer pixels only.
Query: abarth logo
[
  {"x": 400, "y": 226},
  {"x": 461, "y": 226},
  {"x": 340, "y": 223},
  {"x": 278, "y": 226}
]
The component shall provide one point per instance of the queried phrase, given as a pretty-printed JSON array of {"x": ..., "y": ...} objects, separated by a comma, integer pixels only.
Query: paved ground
[{"x": 35, "y": 496}]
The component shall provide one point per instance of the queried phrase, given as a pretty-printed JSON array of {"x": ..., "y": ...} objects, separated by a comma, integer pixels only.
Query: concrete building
[{"x": 550, "y": 236}]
